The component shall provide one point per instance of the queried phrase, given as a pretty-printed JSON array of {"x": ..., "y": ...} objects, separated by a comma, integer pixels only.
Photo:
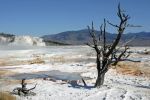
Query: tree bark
[
  {"x": 106, "y": 54},
  {"x": 100, "y": 79}
]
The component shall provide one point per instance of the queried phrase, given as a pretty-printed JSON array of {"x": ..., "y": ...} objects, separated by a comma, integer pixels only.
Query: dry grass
[
  {"x": 133, "y": 68},
  {"x": 3, "y": 62},
  {"x": 8, "y": 62},
  {"x": 129, "y": 68},
  {"x": 3, "y": 72},
  {"x": 58, "y": 59},
  {"x": 6, "y": 72},
  {"x": 145, "y": 68},
  {"x": 6, "y": 96},
  {"x": 37, "y": 60}
]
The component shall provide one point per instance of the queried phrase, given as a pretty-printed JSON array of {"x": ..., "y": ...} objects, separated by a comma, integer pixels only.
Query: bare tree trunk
[
  {"x": 100, "y": 71},
  {"x": 100, "y": 79},
  {"x": 107, "y": 54}
]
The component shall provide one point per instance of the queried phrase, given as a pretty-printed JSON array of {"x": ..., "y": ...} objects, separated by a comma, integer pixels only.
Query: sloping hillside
[{"x": 82, "y": 37}]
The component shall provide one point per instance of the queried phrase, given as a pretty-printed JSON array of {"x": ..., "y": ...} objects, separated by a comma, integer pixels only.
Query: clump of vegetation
[
  {"x": 128, "y": 68},
  {"x": 6, "y": 96},
  {"x": 37, "y": 60},
  {"x": 5, "y": 72}
]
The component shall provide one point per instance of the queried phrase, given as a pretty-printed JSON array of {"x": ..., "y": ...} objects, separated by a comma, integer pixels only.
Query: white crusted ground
[{"x": 72, "y": 59}]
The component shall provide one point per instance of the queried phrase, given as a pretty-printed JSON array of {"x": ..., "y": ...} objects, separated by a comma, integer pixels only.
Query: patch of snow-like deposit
[{"x": 116, "y": 86}]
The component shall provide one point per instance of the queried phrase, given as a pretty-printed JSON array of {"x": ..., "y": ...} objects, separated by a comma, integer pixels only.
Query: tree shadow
[
  {"x": 76, "y": 85},
  {"x": 139, "y": 86},
  {"x": 146, "y": 87},
  {"x": 135, "y": 85}
]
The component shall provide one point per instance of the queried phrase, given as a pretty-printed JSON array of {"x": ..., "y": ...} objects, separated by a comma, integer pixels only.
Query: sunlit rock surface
[{"x": 22, "y": 40}]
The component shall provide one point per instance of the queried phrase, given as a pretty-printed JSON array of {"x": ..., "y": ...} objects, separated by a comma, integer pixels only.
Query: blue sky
[{"x": 40, "y": 17}]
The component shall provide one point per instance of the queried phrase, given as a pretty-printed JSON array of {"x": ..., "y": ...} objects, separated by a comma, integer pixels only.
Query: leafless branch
[
  {"x": 23, "y": 88},
  {"x": 113, "y": 24},
  {"x": 109, "y": 54}
]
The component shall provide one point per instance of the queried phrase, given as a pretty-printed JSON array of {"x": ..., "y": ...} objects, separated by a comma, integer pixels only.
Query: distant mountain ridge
[{"x": 81, "y": 37}]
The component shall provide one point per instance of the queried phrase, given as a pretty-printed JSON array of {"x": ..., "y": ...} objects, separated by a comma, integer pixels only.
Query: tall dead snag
[{"x": 108, "y": 54}]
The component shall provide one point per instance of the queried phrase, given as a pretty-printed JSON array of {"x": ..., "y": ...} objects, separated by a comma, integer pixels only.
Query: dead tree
[
  {"x": 108, "y": 54},
  {"x": 23, "y": 90}
]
